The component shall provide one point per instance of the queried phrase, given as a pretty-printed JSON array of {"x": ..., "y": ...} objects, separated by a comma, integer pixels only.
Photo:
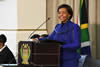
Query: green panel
[{"x": 84, "y": 35}]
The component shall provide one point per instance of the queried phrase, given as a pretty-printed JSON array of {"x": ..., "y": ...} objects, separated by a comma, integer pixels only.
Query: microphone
[{"x": 39, "y": 27}]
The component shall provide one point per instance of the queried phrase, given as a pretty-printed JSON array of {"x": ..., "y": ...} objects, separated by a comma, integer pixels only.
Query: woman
[
  {"x": 6, "y": 56},
  {"x": 69, "y": 33}
]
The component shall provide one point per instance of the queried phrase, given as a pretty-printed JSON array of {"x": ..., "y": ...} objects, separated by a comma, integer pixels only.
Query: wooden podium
[{"x": 43, "y": 54}]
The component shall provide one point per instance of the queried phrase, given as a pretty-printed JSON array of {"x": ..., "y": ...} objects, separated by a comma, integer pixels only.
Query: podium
[{"x": 43, "y": 54}]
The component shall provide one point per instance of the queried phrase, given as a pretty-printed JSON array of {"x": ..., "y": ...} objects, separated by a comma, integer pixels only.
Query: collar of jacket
[{"x": 66, "y": 27}]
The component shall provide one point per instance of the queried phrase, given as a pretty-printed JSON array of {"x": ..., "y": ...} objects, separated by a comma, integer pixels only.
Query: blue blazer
[{"x": 69, "y": 33}]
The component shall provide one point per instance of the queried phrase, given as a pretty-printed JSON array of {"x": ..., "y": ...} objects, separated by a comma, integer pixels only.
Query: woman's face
[
  {"x": 1, "y": 45},
  {"x": 63, "y": 15}
]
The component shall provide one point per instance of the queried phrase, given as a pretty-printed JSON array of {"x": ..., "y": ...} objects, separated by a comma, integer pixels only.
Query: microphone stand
[{"x": 38, "y": 28}]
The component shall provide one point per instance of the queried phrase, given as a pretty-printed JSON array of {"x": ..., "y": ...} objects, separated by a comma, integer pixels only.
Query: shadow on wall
[
  {"x": 91, "y": 62},
  {"x": 98, "y": 41}
]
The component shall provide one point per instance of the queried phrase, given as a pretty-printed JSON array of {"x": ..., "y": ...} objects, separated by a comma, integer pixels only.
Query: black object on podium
[{"x": 43, "y": 54}]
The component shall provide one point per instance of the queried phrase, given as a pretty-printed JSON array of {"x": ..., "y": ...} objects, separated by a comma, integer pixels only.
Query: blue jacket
[{"x": 69, "y": 33}]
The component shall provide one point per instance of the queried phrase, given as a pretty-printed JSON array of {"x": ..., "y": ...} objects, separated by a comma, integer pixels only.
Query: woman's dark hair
[
  {"x": 68, "y": 8},
  {"x": 3, "y": 38}
]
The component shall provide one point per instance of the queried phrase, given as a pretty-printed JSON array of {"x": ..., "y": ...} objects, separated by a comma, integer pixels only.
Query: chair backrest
[{"x": 91, "y": 62}]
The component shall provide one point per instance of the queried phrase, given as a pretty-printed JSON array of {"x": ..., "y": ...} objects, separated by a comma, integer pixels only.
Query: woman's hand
[{"x": 36, "y": 40}]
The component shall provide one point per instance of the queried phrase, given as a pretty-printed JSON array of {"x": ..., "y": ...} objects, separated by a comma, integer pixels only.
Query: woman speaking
[{"x": 69, "y": 33}]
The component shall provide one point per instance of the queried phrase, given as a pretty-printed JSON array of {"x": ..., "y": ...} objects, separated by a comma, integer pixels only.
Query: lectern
[{"x": 43, "y": 54}]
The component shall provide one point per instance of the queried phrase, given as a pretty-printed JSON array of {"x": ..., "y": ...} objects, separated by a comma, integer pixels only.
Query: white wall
[
  {"x": 8, "y": 21},
  {"x": 8, "y": 14},
  {"x": 31, "y": 14}
]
